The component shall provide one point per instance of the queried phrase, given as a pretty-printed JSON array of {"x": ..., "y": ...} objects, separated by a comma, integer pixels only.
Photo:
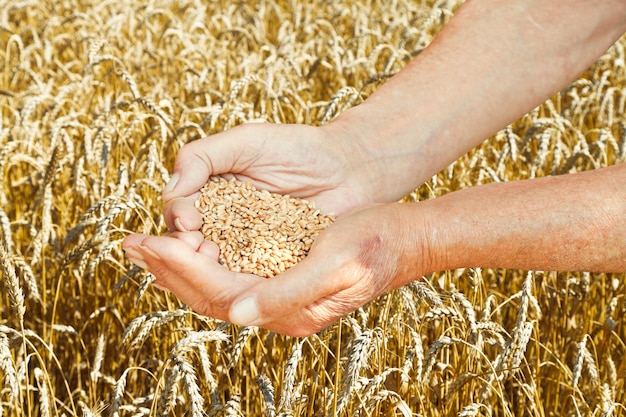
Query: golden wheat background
[{"x": 97, "y": 97}]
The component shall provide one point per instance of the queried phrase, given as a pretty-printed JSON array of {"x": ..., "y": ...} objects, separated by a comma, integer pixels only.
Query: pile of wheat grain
[{"x": 257, "y": 231}]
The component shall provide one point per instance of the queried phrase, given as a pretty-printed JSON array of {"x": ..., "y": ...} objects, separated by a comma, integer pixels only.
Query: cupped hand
[
  {"x": 314, "y": 163},
  {"x": 359, "y": 257}
]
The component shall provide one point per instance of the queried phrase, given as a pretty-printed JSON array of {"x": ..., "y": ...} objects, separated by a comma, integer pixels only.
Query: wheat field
[{"x": 96, "y": 98}]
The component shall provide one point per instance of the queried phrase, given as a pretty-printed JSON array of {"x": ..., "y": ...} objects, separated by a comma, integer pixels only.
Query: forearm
[
  {"x": 568, "y": 222},
  {"x": 493, "y": 62}
]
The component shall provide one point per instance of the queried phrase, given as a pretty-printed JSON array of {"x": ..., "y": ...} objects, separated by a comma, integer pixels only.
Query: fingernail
[
  {"x": 132, "y": 252},
  {"x": 179, "y": 225},
  {"x": 139, "y": 262},
  {"x": 148, "y": 251},
  {"x": 245, "y": 312},
  {"x": 135, "y": 256},
  {"x": 171, "y": 184}
]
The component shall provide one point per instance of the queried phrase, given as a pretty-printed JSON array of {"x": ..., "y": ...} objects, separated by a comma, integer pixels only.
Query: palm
[{"x": 298, "y": 160}]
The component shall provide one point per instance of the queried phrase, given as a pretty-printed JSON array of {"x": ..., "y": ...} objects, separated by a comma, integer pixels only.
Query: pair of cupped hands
[{"x": 356, "y": 259}]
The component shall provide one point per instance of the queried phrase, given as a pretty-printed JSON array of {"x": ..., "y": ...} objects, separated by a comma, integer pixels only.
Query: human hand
[
  {"x": 359, "y": 257},
  {"x": 314, "y": 163}
]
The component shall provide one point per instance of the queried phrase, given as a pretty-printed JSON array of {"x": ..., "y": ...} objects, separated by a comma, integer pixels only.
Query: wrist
[
  {"x": 387, "y": 155},
  {"x": 410, "y": 245}
]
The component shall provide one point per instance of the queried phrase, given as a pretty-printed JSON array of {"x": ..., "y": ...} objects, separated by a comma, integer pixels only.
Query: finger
[
  {"x": 287, "y": 294},
  {"x": 196, "y": 240},
  {"x": 181, "y": 213},
  {"x": 198, "y": 160},
  {"x": 195, "y": 278}
]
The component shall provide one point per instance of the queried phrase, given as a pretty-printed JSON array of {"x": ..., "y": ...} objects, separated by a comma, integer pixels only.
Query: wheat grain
[
  {"x": 104, "y": 251},
  {"x": 525, "y": 300},
  {"x": 486, "y": 312},
  {"x": 397, "y": 403},
  {"x": 257, "y": 231},
  {"x": 63, "y": 88},
  {"x": 458, "y": 382},
  {"x": 584, "y": 357},
  {"x": 496, "y": 333},
  {"x": 372, "y": 387},
  {"x": 607, "y": 402},
  {"x": 611, "y": 371},
  {"x": 90, "y": 217},
  {"x": 439, "y": 313},
  {"x": 240, "y": 84},
  {"x": 102, "y": 226},
  {"x": 64, "y": 329}
]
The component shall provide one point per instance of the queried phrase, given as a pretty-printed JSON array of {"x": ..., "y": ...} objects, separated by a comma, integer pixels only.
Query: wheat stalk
[
  {"x": 168, "y": 398},
  {"x": 357, "y": 359},
  {"x": 44, "y": 396},
  {"x": 584, "y": 357},
  {"x": 138, "y": 329},
  {"x": 469, "y": 314},
  {"x": 245, "y": 333},
  {"x": 12, "y": 285},
  {"x": 414, "y": 358},
  {"x": 191, "y": 342},
  {"x": 289, "y": 378},
  {"x": 145, "y": 283},
  {"x": 207, "y": 372},
  {"x": 5, "y": 224},
  {"x": 28, "y": 276},
  {"x": 118, "y": 394},
  {"x": 520, "y": 341},
  {"x": 98, "y": 359},
  {"x": 431, "y": 356},
  {"x": 372, "y": 388},
  {"x": 188, "y": 377},
  {"x": 345, "y": 95},
  {"x": 233, "y": 407},
  {"x": 267, "y": 389},
  {"x": 7, "y": 366}
]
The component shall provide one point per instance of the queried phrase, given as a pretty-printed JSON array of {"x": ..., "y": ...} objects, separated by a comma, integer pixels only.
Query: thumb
[
  {"x": 198, "y": 160},
  {"x": 285, "y": 295}
]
